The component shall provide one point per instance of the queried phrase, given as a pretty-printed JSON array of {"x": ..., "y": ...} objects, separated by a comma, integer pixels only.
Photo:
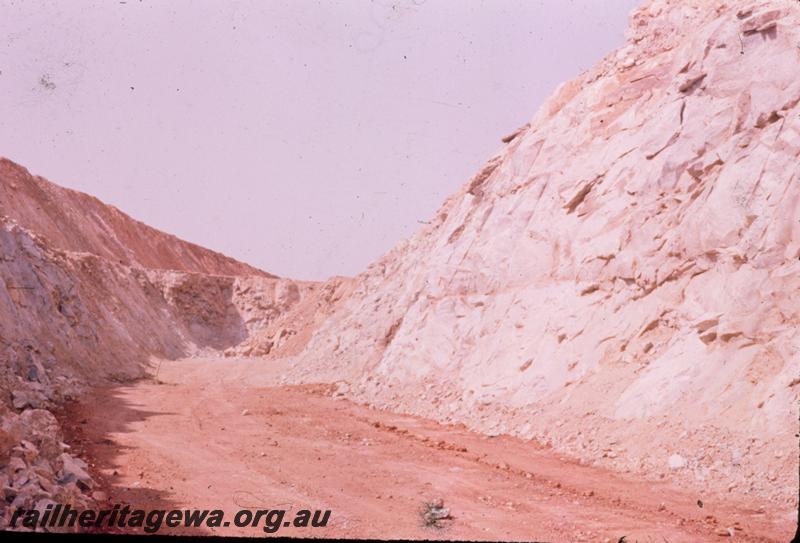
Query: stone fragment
[
  {"x": 676, "y": 461},
  {"x": 74, "y": 470}
]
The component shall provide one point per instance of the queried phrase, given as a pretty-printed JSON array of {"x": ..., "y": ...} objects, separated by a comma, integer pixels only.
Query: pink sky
[{"x": 305, "y": 138}]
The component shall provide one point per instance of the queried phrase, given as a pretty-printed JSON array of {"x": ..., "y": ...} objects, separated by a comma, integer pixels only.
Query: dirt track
[{"x": 185, "y": 440}]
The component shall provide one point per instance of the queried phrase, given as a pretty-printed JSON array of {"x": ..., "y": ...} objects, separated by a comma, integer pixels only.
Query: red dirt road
[{"x": 186, "y": 441}]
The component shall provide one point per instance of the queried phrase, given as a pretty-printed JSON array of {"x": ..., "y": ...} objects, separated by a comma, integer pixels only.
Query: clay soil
[{"x": 219, "y": 434}]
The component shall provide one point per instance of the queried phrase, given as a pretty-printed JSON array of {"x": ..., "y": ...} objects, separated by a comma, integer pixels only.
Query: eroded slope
[
  {"x": 621, "y": 279},
  {"x": 75, "y": 221}
]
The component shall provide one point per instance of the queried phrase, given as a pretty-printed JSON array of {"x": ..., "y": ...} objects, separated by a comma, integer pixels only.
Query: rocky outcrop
[
  {"x": 288, "y": 333},
  {"x": 223, "y": 313},
  {"x": 79, "y": 306},
  {"x": 621, "y": 280}
]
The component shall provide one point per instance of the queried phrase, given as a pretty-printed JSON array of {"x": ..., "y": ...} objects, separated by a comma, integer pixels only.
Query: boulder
[
  {"x": 74, "y": 470},
  {"x": 22, "y": 399},
  {"x": 42, "y": 429}
]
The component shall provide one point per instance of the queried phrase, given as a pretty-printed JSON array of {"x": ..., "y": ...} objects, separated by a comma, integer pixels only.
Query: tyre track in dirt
[{"x": 213, "y": 433}]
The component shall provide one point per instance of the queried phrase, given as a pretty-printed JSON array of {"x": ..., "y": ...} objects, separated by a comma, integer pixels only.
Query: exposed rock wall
[
  {"x": 98, "y": 318},
  {"x": 70, "y": 319},
  {"x": 289, "y": 332},
  {"x": 225, "y": 313},
  {"x": 622, "y": 279}
]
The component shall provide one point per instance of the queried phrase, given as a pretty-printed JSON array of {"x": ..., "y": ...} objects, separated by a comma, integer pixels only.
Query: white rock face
[{"x": 628, "y": 263}]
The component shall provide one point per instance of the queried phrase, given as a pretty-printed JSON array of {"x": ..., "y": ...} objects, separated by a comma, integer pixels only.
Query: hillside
[
  {"x": 620, "y": 281},
  {"x": 74, "y": 221}
]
